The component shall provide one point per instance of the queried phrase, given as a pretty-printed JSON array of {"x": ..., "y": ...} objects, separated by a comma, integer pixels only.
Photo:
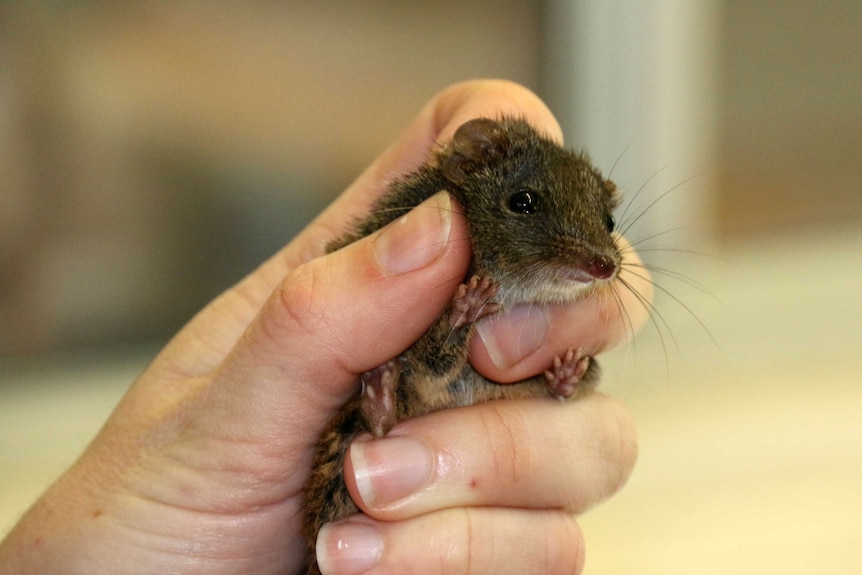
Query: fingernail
[
  {"x": 525, "y": 329},
  {"x": 348, "y": 548},
  {"x": 417, "y": 238},
  {"x": 389, "y": 469}
]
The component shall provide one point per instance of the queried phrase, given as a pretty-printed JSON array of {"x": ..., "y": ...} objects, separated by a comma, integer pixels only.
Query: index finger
[
  {"x": 527, "y": 454},
  {"x": 523, "y": 341}
]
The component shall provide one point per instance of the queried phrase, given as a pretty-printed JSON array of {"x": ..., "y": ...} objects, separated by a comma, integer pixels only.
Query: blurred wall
[
  {"x": 791, "y": 133},
  {"x": 756, "y": 108},
  {"x": 151, "y": 153},
  {"x": 638, "y": 84}
]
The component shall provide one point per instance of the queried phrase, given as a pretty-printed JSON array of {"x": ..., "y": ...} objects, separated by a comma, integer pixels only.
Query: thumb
[
  {"x": 209, "y": 466},
  {"x": 335, "y": 317}
]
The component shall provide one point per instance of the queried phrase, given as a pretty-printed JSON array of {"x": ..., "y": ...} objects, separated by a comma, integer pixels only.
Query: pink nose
[{"x": 601, "y": 268}]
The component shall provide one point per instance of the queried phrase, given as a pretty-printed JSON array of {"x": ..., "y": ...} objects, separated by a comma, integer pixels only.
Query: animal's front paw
[
  {"x": 566, "y": 372},
  {"x": 472, "y": 301},
  {"x": 378, "y": 397}
]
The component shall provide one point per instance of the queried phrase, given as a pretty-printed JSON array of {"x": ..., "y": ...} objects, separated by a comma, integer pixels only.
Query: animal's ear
[{"x": 474, "y": 145}]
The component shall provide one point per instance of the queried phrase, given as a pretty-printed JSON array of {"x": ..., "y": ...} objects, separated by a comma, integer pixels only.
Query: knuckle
[
  {"x": 302, "y": 311},
  {"x": 509, "y": 441},
  {"x": 621, "y": 447},
  {"x": 477, "y": 541},
  {"x": 565, "y": 548},
  {"x": 299, "y": 298},
  {"x": 546, "y": 543},
  {"x": 455, "y": 552},
  {"x": 305, "y": 304}
]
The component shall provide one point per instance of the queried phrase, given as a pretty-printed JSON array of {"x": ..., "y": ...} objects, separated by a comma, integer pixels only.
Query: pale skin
[{"x": 200, "y": 468}]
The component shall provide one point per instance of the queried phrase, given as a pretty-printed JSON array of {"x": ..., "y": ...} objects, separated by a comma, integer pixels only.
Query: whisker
[
  {"x": 681, "y": 304},
  {"x": 644, "y": 239},
  {"x": 679, "y": 251},
  {"x": 634, "y": 197},
  {"x": 620, "y": 157},
  {"x": 656, "y": 319},
  {"x": 631, "y": 350},
  {"x": 628, "y": 225},
  {"x": 691, "y": 282}
]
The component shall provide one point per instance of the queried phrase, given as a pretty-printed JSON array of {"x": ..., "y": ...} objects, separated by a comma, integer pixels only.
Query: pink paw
[
  {"x": 378, "y": 397},
  {"x": 566, "y": 372},
  {"x": 472, "y": 301}
]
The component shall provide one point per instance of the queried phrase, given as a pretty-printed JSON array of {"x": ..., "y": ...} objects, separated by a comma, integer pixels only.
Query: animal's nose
[{"x": 601, "y": 267}]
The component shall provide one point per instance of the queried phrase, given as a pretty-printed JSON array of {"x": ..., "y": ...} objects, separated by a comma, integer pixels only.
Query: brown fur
[{"x": 540, "y": 226}]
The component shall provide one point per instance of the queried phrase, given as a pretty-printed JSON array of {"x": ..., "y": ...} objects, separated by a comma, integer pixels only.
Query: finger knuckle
[
  {"x": 456, "y": 552},
  {"x": 621, "y": 447},
  {"x": 509, "y": 440},
  {"x": 564, "y": 551},
  {"x": 546, "y": 543},
  {"x": 303, "y": 298}
]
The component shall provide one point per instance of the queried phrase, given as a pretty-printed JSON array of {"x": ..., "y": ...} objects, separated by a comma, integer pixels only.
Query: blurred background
[{"x": 152, "y": 153}]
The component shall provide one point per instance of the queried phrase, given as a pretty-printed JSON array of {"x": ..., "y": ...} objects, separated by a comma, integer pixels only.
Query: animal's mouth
[
  {"x": 576, "y": 275},
  {"x": 596, "y": 268}
]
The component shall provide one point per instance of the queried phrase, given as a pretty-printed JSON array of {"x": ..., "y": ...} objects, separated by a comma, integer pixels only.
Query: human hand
[{"x": 201, "y": 466}]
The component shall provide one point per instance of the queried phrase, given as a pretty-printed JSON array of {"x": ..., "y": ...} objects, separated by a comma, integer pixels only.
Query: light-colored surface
[
  {"x": 48, "y": 415},
  {"x": 751, "y": 451}
]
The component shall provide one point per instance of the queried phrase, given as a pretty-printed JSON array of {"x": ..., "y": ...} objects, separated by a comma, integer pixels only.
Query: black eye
[
  {"x": 524, "y": 202},
  {"x": 610, "y": 222}
]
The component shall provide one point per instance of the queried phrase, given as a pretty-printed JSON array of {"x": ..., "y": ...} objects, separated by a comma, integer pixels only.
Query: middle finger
[{"x": 532, "y": 454}]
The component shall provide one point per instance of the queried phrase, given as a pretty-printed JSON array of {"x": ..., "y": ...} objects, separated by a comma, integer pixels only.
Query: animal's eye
[
  {"x": 610, "y": 222},
  {"x": 524, "y": 201}
]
